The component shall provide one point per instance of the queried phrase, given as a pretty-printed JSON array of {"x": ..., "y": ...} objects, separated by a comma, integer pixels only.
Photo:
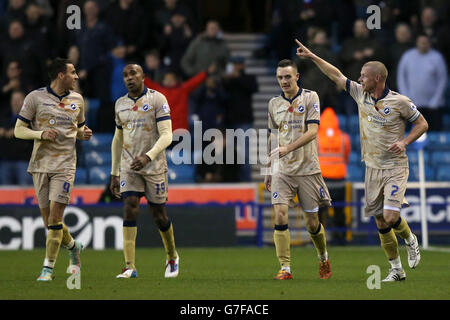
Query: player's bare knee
[
  {"x": 158, "y": 211},
  {"x": 391, "y": 217},
  {"x": 312, "y": 225},
  {"x": 131, "y": 208}
]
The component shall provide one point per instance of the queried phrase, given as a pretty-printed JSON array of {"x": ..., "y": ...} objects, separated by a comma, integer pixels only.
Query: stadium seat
[
  {"x": 94, "y": 158},
  {"x": 81, "y": 176},
  {"x": 183, "y": 173},
  {"x": 99, "y": 175},
  {"x": 438, "y": 141},
  {"x": 355, "y": 173},
  {"x": 353, "y": 124},
  {"x": 92, "y": 107},
  {"x": 355, "y": 158},
  {"x": 98, "y": 142},
  {"x": 355, "y": 141},
  {"x": 342, "y": 122},
  {"x": 443, "y": 173},
  {"x": 446, "y": 122},
  {"x": 414, "y": 173},
  {"x": 413, "y": 156},
  {"x": 440, "y": 157}
]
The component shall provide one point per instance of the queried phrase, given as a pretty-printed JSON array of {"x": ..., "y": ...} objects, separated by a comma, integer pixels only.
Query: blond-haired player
[
  {"x": 382, "y": 117},
  {"x": 295, "y": 116},
  {"x": 54, "y": 118},
  {"x": 139, "y": 166}
]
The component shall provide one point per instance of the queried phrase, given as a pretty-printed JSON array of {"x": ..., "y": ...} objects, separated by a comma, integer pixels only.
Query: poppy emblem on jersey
[
  {"x": 166, "y": 108},
  {"x": 290, "y": 109},
  {"x": 275, "y": 195},
  {"x": 134, "y": 108},
  {"x": 145, "y": 107},
  {"x": 387, "y": 110},
  {"x": 123, "y": 183},
  {"x": 301, "y": 109},
  {"x": 73, "y": 106},
  {"x": 61, "y": 105}
]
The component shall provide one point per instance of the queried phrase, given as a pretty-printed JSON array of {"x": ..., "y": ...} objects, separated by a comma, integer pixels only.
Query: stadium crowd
[{"x": 180, "y": 45}]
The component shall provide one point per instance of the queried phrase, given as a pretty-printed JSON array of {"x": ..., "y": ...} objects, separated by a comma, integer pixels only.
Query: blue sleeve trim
[
  {"x": 163, "y": 118},
  {"x": 119, "y": 127},
  {"x": 347, "y": 85},
  {"x": 81, "y": 124},
  {"x": 23, "y": 119},
  {"x": 312, "y": 121}
]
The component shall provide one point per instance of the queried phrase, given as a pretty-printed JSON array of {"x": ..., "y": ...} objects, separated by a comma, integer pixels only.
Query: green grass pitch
[{"x": 224, "y": 273}]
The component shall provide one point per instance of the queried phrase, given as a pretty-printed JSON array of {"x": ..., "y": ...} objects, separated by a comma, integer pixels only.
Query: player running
[
  {"x": 382, "y": 117},
  {"x": 143, "y": 132},
  {"x": 54, "y": 118},
  {"x": 296, "y": 115}
]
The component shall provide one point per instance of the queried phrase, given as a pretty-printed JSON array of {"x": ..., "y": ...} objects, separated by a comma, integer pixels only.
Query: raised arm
[{"x": 327, "y": 68}]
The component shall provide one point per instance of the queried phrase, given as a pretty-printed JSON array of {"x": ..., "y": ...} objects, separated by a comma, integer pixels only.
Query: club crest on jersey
[
  {"x": 386, "y": 110},
  {"x": 166, "y": 108},
  {"x": 145, "y": 107},
  {"x": 275, "y": 195},
  {"x": 123, "y": 183},
  {"x": 301, "y": 109},
  {"x": 73, "y": 106}
]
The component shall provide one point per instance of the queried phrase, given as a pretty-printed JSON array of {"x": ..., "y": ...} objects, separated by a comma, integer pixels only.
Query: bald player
[
  {"x": 139, "y": 167},
  {"x": 382, "y": 119},
  {"x": 54, "y": 118},
  {"x": 295, "y": 114}
]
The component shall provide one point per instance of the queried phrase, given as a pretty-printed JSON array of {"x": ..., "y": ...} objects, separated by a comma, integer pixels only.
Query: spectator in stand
[
  {"x": 15, "y": 11},
  {"x": 208, "y": 107},
  {"x": 132, "y": 29},
  {"x": 176, "y": 38},
  {"x": 18, "y": 46},
  {"x": 39, "y": 28},
  {"x": 177, "y": 94},
  {"x": 96, "y": 43},
  {"x": 165, "y": 13},
  {"x": 206, "y": 49},
  {"x": 422, "y": 76},
  {"x": 428, "y": 24},
  {"x": 355, "y": 52},
  {"x": 309, "y": 76},
  {"x": 15, "y": 163},
  {"x": 240, "y": 87},
  {"x": 12, "y": 82},
  {"x": 403, "y": 42},
  {"x": 152, "y": 66}
]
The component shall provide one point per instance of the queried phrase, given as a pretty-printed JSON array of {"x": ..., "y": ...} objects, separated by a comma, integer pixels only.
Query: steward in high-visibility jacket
[{"x": 333, "y": 146}]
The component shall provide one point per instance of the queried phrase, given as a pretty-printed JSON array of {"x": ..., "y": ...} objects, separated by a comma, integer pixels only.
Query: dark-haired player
[{"x": 54, "y": 118}]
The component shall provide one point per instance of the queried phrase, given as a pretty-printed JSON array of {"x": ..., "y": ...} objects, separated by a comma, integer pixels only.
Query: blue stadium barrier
[
  {"x": 81, "y": 176},
  {"x": 446, "y": 121},
  {"x": 94, "y": 158},
  {"x": 355, "y": 141},
  {"x": 413, "y": 156},
  {"x": 99, "y": 175}
]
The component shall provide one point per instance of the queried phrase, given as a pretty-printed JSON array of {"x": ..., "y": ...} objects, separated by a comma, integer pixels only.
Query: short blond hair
[{"x": 378, "y": 67}]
